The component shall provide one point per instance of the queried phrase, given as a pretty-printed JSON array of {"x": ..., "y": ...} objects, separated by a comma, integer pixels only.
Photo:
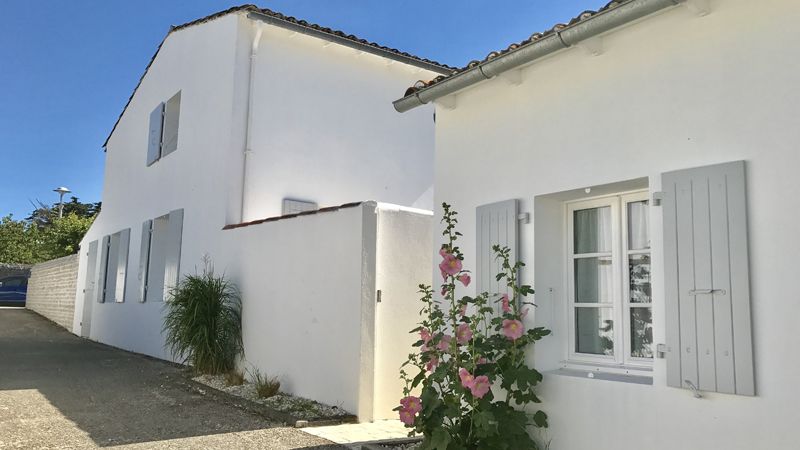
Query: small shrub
[
  {"x": 266, "y": 386},
  {"x": 234, "y": 378},
  {"x": 203, "y": 323}
]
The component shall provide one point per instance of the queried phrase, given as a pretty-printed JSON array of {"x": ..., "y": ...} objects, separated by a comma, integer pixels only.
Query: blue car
[{"x": 13, "y": 291}]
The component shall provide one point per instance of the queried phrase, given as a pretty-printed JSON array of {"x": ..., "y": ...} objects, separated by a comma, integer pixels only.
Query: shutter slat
[
  {"x": 103, "y": 270},
  {"x": 720, "y": 254},
  {"x": 122, "y": 264},
  {"x": 672, "y": 310},
  {"x": 173, "y": 251},
  {"x": 686, "y": 282},
  {"x": 144, "y": 258},
  {"x": 704, "y": 307},
  {"x": 154, "y": 138}
]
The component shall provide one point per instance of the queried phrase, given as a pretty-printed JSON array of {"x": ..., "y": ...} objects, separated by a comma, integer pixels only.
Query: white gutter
[
  {"x": 593, "y": 26},
  {"x": 251, "y": 83}
]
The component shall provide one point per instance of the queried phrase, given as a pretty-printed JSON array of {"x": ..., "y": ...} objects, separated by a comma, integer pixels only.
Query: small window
[
  {"x": 163, "y": 129},
  {"x": 609, "y": 281},
  {"x": 297, "y": 206}
]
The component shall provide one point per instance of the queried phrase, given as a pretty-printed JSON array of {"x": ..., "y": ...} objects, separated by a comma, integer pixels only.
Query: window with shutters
[
  {"x": 609, "y": 290},
  {"x": 160, "y": 256},
  {"x": 163, "y": 131},
  {"x": 114, "y": 267}
]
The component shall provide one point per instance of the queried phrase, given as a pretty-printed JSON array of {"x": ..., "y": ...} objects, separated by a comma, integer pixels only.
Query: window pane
[
  {"x": 592, "y": 230},
  {"x": 593, "y": 280},
  {"x": 642, "y": 332},
  {"x": 594, "y": 331},
  {"x": 639, "y": 269},
  {"x": 638, "y": 230}
]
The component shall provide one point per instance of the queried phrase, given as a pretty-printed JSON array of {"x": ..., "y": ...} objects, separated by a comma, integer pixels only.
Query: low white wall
[
  {"x": 670, "y": 92},
  {"x": 300, "y": 281}
]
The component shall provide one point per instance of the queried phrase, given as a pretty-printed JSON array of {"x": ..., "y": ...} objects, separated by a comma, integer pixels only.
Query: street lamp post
[{"x": 61, "y": 191}]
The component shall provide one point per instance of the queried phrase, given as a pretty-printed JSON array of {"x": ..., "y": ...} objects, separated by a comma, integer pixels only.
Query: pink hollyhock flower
[
  {"x": 467, "y": 380},
  {"x": 464, "y": 279},
  {"x": 506, "y": 304},
  {"x": 425, "y": 335},
  {"x": 481, "y": 360},
  {"x": 513, "y": 329},
  {"x": 432, "y": 363},
  {"x": 463, "y": 333},
  {"x": 450, "y": 265},
  {"x": 524, "y": 312},
  {"x": 443, "y": 251},
  {"x": 411, "y": 404},
  {"x": 424, "y": 348},
  {"x": 480, "y": 386},
  {"x": 407, "y": 417},
  {"x": 444, "y": 344}
]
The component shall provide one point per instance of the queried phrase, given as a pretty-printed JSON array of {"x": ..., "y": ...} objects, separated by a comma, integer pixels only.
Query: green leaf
[
  {"x": 440, "y": 439},
  {"x": 540, "y": 419}
]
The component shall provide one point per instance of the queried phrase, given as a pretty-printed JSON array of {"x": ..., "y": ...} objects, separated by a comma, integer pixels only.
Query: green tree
[{"x": 43, "y": 235}]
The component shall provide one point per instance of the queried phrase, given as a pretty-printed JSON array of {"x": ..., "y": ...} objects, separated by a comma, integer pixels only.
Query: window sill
[{"x": 624, "y": 374}]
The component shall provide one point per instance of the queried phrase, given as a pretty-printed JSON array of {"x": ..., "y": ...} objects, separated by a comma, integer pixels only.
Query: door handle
[{"x": 706, "y": 291}]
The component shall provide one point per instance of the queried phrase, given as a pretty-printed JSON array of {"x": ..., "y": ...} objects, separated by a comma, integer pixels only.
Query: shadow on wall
[{"x": 113, "y": 396}]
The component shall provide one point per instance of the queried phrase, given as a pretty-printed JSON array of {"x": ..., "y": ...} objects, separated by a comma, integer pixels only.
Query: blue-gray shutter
[
  {"x": 123, "y": 245},
  {"x": 708, "y": 335},
  {"x": 144, "y": 258},
  {"x": 173, "y": 251},
  {"x": 90, "y": 287},
  {"x": 172, "y": 114},
  {"x": 154, "y": 141},
  {"x": 103, "y": 272},
  {"x": 496, "y": 224}
]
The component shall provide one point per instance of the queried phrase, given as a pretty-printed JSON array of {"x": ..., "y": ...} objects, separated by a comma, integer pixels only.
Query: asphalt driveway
[{"x": 61, "y": 391}]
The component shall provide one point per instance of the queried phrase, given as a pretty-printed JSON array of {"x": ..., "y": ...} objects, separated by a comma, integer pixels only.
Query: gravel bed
[{"x": 298, "y": 407}]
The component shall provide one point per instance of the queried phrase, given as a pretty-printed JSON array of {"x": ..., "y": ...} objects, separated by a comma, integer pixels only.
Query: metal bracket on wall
[
  {"x": 524, "y": 218},
  {"x": 378, "y": 296},
  {"x": 657, "y": 198}
]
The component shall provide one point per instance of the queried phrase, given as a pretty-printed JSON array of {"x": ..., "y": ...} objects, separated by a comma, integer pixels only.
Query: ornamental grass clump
[
  {"x": 476, "y": 390},
  {"x": 203, "y": 323}
]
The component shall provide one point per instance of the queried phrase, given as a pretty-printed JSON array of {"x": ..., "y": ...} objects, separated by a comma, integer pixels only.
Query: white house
[
  {"x": 246, "y": 115},
  {"x": 642, "y": 159}
]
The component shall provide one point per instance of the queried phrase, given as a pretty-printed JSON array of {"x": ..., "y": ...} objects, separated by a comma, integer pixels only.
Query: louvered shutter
[
  {"x": 709, "y": 341},
  {"x": 172, "y": 114},
  {"x": 154, "y": 141},
  {"x": 144, "y": 258},
  {"x": 123, "y": 244},
  {"x": 173, "y": 251},
  {"x": 103, "y": 272},
  {"x": 496, "y": 224}
]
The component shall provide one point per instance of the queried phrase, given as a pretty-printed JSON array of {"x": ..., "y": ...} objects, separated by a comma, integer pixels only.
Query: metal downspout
[
  {"x": 600, "y": 23},
  {"x": 249, "y": 114}
]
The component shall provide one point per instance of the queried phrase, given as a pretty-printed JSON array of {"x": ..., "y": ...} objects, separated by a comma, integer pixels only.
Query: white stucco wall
[
  {"x": 403, "y": 263},
  {"x": 198, "y": 61},
  {"x": 324, "y": 129},
  {"x": 670, "y": 92},
  {"x": 303, "y": 147}
]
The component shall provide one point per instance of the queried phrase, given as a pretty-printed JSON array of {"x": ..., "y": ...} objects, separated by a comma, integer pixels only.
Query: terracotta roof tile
[
  {"x": 533, "y": 38},
  {"x": 291, "y": 216}
]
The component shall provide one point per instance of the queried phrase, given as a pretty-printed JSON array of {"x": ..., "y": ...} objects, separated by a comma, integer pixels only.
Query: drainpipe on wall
[{"x": 249, "y": 114}]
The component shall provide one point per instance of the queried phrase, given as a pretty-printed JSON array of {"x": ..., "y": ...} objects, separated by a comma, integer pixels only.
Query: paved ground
[{"x": 60, "y": 391}]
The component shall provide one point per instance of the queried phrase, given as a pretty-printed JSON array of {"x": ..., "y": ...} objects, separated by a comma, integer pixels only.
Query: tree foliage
[{"x": 43, "y": 235}]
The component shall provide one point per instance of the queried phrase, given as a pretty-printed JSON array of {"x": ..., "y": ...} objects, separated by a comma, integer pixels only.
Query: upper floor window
[
  {"x": 610, "y": 302},
  {"x": 164, "y": 121}
]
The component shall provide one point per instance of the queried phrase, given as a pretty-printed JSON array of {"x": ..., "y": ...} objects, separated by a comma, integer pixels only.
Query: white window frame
[{"x": 621, "y": 361}]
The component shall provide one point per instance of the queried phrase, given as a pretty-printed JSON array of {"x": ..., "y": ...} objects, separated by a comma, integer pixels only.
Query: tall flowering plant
[{"x": 476, "y": 388}]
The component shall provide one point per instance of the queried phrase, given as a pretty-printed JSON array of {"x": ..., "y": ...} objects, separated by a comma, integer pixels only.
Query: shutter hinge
[
  {"x": 378, "y": 296},
  {"x": 657, "y": 198},
  {"x": 524, "y": 217}
]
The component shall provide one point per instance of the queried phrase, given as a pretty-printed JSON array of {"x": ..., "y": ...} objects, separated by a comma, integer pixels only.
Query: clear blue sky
[{"x": 68, "y": 67}]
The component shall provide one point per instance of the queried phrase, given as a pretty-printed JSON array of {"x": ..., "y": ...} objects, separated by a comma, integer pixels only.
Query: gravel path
[{"x": 60, "y": 391}]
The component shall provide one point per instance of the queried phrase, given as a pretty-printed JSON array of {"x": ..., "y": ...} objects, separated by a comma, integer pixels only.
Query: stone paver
[
  {"x": 58, "y": 391},
  {"x": 352, "y": 433}
]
